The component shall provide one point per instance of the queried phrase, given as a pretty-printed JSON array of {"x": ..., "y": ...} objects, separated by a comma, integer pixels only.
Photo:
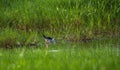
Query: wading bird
[{"x": 48, "y": 40}]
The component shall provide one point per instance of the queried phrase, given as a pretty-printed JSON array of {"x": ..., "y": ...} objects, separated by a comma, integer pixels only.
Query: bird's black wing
[{"x": 47, "y": 37}]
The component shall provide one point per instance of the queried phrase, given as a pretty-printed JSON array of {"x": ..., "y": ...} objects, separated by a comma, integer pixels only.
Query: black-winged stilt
[{"x": 48, "y": 40}]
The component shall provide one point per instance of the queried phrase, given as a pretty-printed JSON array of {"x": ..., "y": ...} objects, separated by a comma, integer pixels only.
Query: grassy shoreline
[{"x": 66, "y": 19}]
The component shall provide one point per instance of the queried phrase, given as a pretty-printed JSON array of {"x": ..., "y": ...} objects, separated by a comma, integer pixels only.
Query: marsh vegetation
[{"x": 87, "y": 34}]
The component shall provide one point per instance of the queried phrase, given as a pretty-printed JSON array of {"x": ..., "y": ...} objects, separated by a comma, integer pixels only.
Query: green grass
[
  {"x": 23, "y": 20},
  {"x": 56, "y": 16},
  {"x": 69, "y": 57},
  {"x": 87, "y": 34}
]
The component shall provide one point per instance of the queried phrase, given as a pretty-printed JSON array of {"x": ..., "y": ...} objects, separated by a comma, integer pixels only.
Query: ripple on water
[{"x": 53, "y": 50}]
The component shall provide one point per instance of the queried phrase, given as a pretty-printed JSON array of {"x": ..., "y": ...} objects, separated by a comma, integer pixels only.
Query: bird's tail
[{"x": 43, "y": 35}]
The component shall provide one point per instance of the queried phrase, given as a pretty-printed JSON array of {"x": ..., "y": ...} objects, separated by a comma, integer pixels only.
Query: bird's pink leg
[{"x": 46, "y": 43}]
